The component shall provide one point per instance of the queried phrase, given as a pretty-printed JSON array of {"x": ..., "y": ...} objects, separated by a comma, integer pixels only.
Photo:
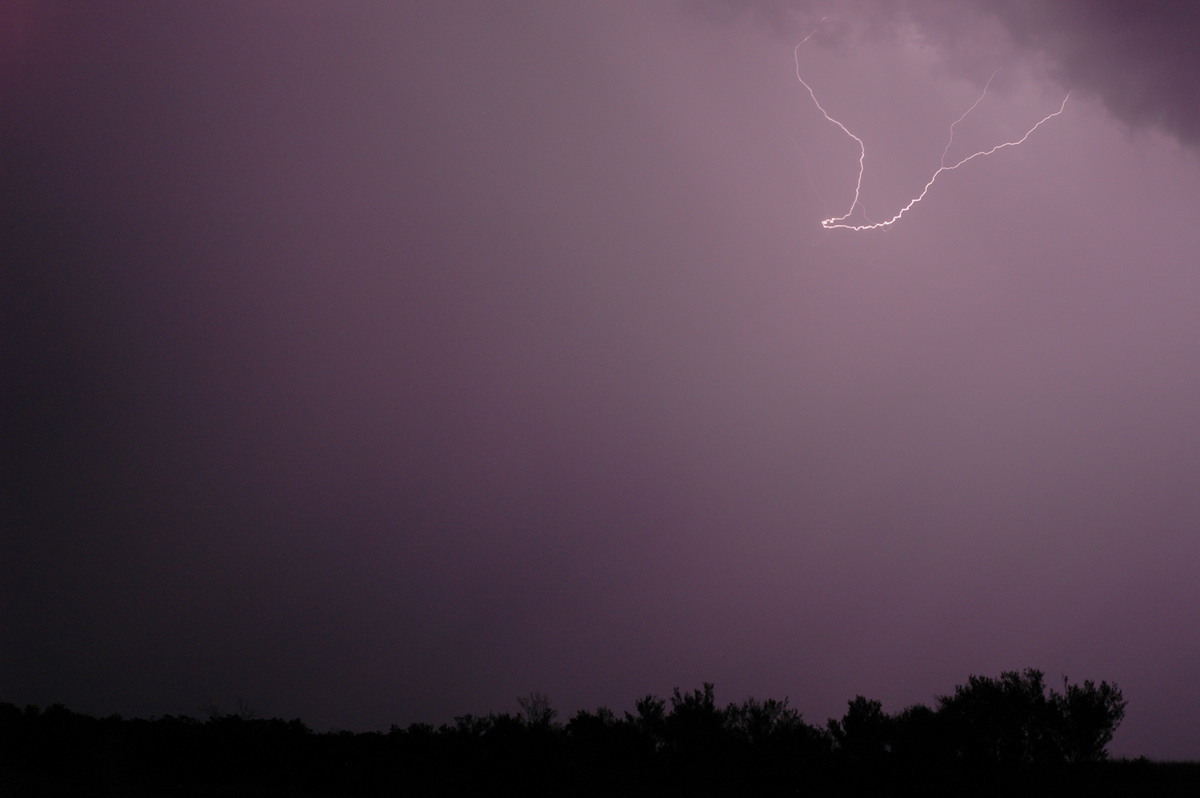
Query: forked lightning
[{"x": 839, "y": 222}]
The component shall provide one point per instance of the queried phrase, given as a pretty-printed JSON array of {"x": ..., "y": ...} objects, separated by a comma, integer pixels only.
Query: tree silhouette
[
  {"x": 919, "y": 737},
  {"x": 864, "y": 732},
  {"x": 536, "y": 710},
  {"x": 695, "y": 723},
  {"x": 1088, "y": 716},
  {"x": 650, "y": 720},
  {"x": 759, "y": 723},
  {"x": 1014, "y": 720},
  {"x": 1003, "y": 721},
  {"x": 993, "y": 736}
]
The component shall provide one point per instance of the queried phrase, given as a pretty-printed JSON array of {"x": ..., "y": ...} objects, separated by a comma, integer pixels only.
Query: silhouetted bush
[{"x": 1014, "y": 720}]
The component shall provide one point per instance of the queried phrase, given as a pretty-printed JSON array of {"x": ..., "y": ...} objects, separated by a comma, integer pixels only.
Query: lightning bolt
[{"x": 839, "y": 222}]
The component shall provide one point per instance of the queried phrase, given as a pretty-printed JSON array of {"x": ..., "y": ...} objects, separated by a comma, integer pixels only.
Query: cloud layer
[{"x": 1141, "y": 59}]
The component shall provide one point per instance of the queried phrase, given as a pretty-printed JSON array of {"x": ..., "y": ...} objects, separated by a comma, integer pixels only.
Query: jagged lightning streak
[
  {"x": 839, "y": 222},
  {"x": 965, "y": 114}
]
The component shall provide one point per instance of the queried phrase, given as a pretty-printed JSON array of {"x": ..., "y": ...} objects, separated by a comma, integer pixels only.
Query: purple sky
[{"x": 379, "y": 363}]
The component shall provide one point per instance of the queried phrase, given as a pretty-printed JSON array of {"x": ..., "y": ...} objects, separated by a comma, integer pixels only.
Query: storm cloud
[{"x": 1139, "y": 59}]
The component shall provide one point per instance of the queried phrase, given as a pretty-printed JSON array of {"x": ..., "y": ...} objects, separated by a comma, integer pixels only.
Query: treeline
[{"x": 992, "y": 736}]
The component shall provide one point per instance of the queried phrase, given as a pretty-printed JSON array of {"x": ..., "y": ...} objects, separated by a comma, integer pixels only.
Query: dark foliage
[
  {"x": 1014, "y": 720},
  {"x": 1004, "y": 736}
]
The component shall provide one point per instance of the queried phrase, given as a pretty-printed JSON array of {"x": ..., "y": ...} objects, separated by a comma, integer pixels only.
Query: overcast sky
[{"x": 378, "y": 363}]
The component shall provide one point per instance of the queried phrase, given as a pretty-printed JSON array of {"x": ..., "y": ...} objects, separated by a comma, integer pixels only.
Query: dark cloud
[{"x": 1141, "y": 59}]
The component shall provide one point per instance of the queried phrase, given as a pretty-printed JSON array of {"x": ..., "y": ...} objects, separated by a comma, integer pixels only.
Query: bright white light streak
[{"x": 839, "y": 222}]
